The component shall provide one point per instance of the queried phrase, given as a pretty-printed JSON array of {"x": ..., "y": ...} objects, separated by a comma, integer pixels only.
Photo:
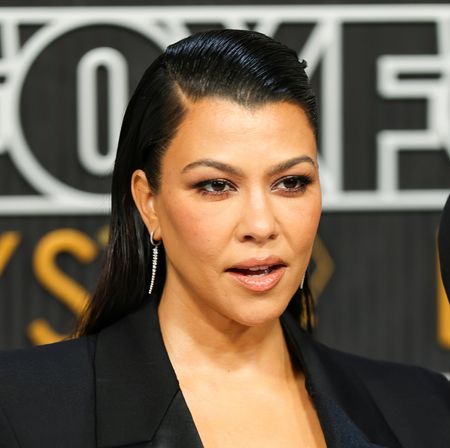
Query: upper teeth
[{"x": 259, "y": 268}]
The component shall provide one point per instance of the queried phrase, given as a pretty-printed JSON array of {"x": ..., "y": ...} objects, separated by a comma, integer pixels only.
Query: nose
[{"x": 258, "y": 221}]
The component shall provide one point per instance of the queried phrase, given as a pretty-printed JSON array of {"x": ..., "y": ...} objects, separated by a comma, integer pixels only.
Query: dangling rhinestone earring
[
  {"x": 154, "y": 261},
  {"x": 303, "y": 281}
]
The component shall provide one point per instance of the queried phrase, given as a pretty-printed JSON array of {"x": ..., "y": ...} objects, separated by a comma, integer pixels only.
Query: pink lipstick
[{"x": 258, "y": 274}]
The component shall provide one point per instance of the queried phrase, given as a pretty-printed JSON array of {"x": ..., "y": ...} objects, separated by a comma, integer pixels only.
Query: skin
[{"x": 226, "y": 342}]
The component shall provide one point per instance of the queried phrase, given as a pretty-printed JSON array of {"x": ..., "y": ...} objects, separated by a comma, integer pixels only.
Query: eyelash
[{"x": 304, "y": 180}]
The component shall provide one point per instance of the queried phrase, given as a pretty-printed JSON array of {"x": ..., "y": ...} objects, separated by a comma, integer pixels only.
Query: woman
[{"x": 192, "y": 337}]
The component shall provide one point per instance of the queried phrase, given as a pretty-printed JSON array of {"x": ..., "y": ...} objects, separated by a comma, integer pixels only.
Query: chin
[{"x": 259, "y": 314}]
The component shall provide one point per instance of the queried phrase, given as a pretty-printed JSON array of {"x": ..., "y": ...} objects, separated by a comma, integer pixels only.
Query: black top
[{"x": 118, "y": 389}]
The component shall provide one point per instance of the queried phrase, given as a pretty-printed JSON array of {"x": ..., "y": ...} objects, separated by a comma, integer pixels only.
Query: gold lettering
[
  {"x": 443, "y": 312},
  {"x": 8, "y": 244},
  {"x": 64, "y": 288},
  {"x": 103, "y": 236}
]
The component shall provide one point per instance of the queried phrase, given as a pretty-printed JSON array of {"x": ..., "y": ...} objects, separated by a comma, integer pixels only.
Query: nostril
[{"x": 259, "y": 237}]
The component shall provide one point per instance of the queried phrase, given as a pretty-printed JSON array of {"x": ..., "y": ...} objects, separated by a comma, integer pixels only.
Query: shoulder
[
  {"x": 410, "y": 402},
  {"x": 346, "y": 371},
  {"x": 47, "y": 392},
  {"x": 58, "y": 362},
  {"x": 396, "y": 377},
  {"x": 414, "y": 401}
]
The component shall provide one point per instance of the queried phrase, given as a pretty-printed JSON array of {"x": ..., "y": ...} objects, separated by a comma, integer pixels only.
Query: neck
[{"x": 202, "y": 339}]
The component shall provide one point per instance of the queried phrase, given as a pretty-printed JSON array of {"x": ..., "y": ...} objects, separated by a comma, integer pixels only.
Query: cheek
[
  {"x": 201, "y": 231},
  {"x": 302, "y": 223}
]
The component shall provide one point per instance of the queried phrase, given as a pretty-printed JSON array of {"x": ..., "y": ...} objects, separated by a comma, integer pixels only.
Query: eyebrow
[
  {"x": 225, "y": 167},
  {"x": 283, "y": 166}
]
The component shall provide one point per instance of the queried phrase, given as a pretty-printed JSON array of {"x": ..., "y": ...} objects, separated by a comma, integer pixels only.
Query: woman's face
[{"x": 238, "y": 208}]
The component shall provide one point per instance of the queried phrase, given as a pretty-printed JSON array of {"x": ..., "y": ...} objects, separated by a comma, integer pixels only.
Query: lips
[
  {"x": 258, "y": 274},
  {"x": 254, "y": 271},
  {"x": 257, "y": 263}
]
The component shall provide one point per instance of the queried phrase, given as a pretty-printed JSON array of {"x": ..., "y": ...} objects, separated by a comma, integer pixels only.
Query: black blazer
[{"x": 118, "y": 389}]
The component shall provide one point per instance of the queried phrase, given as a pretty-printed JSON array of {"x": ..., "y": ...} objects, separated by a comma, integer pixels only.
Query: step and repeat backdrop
[{"x": 382, "y": 74}]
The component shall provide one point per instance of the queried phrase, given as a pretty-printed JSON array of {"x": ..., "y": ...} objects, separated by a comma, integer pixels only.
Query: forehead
[{"x": 214, "y": 127}]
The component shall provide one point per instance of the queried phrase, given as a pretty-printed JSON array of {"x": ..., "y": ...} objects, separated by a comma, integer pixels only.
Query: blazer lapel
[
  {"x": 339, "y": 395},
  {"x": 136, "y": 384},
  {"x": 425, "y": 407},
  {"x": 135, "y": 381}
]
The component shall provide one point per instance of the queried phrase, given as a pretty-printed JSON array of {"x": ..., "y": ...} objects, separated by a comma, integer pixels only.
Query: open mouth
[
  {"x": 258, "y": 278},
  {"x": 257, "y": 271}
]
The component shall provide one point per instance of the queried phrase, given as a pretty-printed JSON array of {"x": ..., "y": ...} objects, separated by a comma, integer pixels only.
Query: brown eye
[
  {"x": 215, "y": 187},
  {"x": 218, "y": 185},
  {"x": 293, "y": 184}
]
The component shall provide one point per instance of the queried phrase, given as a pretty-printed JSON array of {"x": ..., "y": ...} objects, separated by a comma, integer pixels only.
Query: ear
[{"x": 144, "y": 199}]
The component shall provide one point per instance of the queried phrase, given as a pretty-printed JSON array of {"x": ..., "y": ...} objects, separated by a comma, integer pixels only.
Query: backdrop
[{"x": 382, "y": 75}]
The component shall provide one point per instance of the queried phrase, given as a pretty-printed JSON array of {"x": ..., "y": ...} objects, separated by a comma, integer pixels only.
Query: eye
[
  {"x": 214, "y": 187},
  {"x": 293, "y": 184}
]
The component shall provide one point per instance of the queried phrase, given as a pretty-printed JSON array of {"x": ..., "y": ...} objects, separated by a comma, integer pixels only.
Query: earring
[
  {"x": 303, "y": 281},
  {"x": 154, "y": 261}
]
